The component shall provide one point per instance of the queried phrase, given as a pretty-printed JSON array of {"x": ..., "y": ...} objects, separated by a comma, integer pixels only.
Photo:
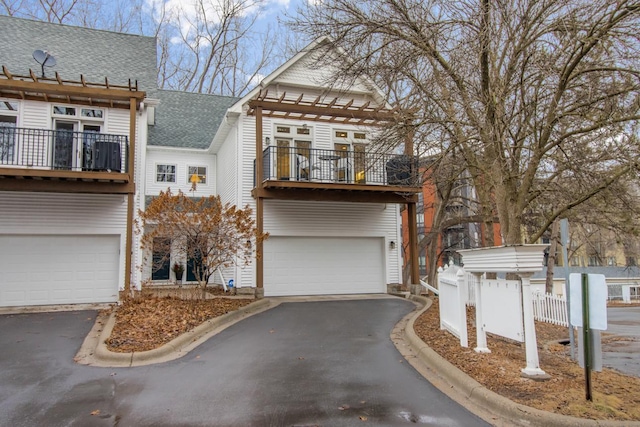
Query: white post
[
  {"x": 462, "y": 306},
  {"x": 481, "y": 335},
  {"x": 530, "y": 341}
]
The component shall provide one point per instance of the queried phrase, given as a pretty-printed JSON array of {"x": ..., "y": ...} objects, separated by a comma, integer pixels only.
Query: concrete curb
[
  {"x": 94, "y": 350},
  {"x": 480, "y": 396}
]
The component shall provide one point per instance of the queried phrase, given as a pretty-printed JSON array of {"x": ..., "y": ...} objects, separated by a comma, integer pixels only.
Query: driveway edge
[
  {"x": 480, "y": 396},
  {"x": 94, "y": 351}
]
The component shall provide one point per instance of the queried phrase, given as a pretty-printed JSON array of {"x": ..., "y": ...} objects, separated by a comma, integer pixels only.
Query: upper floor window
[
  {"x": 79, "y": 112},
  {"x": 165, "y": 173},
  {"x": 8, "y": 113},
  {"x": 10, "y": 107},
  {"x": 292, "y": 131},
  {"x": 8, "y": 123},
  {"x": 200, "y": 172},
  {"x": 350, "y": 136}
]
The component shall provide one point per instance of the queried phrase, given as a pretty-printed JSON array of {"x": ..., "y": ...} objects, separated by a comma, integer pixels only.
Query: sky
[{"x": 180, "y": 17}]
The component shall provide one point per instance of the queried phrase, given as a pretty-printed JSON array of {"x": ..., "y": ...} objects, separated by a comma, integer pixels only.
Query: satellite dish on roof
[{"x": 44, "y": 59}]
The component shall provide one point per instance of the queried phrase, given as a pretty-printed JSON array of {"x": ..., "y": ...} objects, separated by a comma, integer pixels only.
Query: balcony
[
  {"x": 30, "y": 155},
  {"x": 315, "y": 174}
]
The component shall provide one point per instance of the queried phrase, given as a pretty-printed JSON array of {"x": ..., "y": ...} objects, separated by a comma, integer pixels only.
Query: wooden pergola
[
  {"x": 98, "y": 94},
  {"x": 319, "y": 109}
]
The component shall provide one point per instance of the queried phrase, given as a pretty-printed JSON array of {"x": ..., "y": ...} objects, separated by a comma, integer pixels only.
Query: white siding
[
  {"x": 227, "y": 170},
  {"x": 35, "y": 115},
  {"x": 245, "y": 276},
  {"x": 182, "y": 159},
  {"x": 117, "y": 122},
  {"x": 56, "y": 213},
  {"x": 308, "y": 71}
]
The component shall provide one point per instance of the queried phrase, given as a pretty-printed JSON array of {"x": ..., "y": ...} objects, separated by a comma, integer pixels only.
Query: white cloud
[{"x": 255, "y": 80}]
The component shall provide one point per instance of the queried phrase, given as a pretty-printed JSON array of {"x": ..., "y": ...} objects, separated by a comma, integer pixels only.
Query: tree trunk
[
  {"x": 551, "y": 260},
  {"x": 432, "y": 261}
]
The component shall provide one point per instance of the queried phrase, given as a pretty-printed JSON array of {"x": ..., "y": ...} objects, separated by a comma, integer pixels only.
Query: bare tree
[
  {"x": 535, "y": 95},
  {"x": 58, "y": 11},
  {"x": 206, "y": 46},
  {"x": 211, "y": 46}
]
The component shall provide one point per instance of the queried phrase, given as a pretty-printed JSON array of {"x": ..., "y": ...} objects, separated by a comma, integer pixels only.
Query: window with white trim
[
  {"x": 199, "y": 171},
  {"x": 165, "y": 173},
  {"x": 8, "y": 124}
]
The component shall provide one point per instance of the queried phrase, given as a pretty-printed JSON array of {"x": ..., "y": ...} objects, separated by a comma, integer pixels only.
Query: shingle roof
[
  {"x": 187, "y": 120},
  {"x": 96, "y": 54}
]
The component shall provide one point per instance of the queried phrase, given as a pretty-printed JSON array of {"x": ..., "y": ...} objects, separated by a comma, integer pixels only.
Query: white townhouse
[
  {"x": 181, "y": 127},
  {"x": 297, "y": 150},
  {"x": 72, "y": 117},
  {"x": 86, "y": 143}
]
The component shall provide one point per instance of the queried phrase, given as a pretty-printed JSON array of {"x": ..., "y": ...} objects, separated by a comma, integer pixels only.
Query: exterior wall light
[{"x": 392, "y": 245}]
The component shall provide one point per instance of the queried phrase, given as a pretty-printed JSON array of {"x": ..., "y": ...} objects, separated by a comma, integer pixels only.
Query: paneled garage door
[
  {"x": 319, "y": 265},
  {"x": 42, "y": 270}
]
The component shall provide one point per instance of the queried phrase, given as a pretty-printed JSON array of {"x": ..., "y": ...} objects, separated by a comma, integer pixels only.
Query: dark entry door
[{"x": 161, "y": 259}]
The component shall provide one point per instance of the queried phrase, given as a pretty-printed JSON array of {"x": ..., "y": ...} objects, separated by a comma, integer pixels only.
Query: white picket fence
[
  {"x": 453, "y": 295},
  {"x": 546, "y": 307},
  {"x": 551, "y": 309}
]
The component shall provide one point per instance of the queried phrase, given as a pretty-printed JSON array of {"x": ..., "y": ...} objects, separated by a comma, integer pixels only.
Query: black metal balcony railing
[
  {"x": 337, "y": 166},
  {"x": 63, "y": 150}
]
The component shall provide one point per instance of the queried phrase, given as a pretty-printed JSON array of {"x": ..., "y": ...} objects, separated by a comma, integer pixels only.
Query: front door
[
  {"x": 161, "y": 258},
  {"x": 64, "y": 145},
  {"x": 283, "y": 161},
  {"x": 343, "y": 164},
  {"x": 303, "y": 160},
  {"x": 359, "y": 163},
  {"x": 194, "y": 264}
]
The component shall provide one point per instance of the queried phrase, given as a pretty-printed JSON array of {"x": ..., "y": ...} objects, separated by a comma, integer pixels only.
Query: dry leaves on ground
[
  {"x": 615, "y": 396},
  {"x": 148, "y": 322}
]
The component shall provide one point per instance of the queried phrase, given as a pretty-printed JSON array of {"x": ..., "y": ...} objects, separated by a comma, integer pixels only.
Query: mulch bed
[
  {"x": 615, "y": 396},
  {"x": 148, "y": 322}
]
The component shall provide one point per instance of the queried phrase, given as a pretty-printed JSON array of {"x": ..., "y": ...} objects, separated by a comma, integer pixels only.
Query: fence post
[
  {"x": 481, "y": 335},
  {"x": 439, "y": 273},
  {"x": 531, "y": 344},
  {"x": 462, "y": 306}
]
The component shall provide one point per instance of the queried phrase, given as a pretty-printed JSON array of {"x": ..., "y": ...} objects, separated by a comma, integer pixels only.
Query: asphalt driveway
[
  {"x": 328, "y": 363},
  {"x": 622, "y": 353}
]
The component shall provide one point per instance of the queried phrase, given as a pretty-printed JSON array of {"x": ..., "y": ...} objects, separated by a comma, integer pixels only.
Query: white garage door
[
  {"x": 42, "y": 270},
  {"x": 319, "y": 266}
]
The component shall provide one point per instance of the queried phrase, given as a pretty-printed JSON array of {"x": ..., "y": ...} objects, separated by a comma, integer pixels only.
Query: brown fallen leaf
[
  {"x": 95, "y": 412},
  {"x": 362, "y": 418}
]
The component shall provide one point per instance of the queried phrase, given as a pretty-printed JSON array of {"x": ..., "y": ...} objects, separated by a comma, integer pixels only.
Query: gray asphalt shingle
[
  {"x": 96, "y": 54},
  {"x": 187, "y": 120}
]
